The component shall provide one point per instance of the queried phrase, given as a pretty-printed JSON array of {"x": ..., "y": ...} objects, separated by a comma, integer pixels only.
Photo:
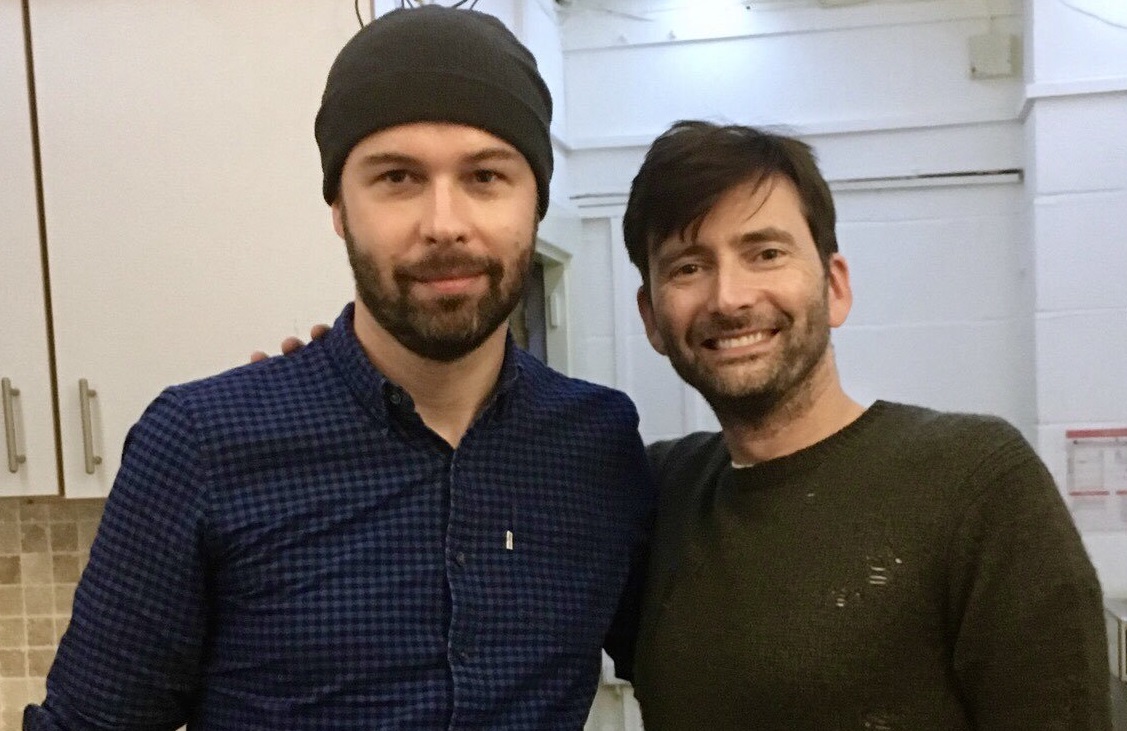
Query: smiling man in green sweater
[{"x": 819, "y": 564}]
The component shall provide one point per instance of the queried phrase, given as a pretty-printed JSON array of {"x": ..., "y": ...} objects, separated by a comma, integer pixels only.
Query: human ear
[
  {"x": 338, "y": 217},
  {"x": 839, "y": 292},
  {"x": 645, "y": 309}
]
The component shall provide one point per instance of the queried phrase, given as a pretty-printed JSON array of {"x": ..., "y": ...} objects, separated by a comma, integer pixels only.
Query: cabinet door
[
  {"x": 27, "y": 437},
  {"x": 184, "y": 220}
]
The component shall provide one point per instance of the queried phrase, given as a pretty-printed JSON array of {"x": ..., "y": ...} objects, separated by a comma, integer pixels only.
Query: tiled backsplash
[{"x": 44, "y": 544}]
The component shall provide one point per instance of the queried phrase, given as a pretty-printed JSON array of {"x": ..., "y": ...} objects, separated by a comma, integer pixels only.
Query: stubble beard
[
  {"x": 782, "y": 385},
  {"x": 445, "y": 328}
]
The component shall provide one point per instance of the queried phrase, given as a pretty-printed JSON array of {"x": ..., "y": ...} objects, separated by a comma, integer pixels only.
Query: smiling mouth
[
  {"x": 739, "y": 341},
  {"x": 451, "y": 283}
]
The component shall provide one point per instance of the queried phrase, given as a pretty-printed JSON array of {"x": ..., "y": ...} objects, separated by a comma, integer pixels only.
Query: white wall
[
  {"x": 1075, "y": 44},
  {"x": 875, "y": 66},
  {"x": 1076, "y": 138},
  {"x": 939, "y": 315}
]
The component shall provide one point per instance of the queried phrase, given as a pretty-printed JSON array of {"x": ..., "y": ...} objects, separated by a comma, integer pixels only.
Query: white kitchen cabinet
[
  {"x": 27, "y": 452},
  {"x": 184, "y": 223}
]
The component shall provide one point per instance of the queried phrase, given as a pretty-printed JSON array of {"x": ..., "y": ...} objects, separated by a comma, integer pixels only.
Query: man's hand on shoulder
[{"x": 292, "y": 344}]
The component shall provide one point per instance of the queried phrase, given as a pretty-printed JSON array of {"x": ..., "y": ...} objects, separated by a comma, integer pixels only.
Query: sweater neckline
[{"x": 808, "y": 458}]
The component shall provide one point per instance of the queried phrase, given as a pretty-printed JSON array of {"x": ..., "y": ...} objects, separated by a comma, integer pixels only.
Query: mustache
[
  {"x": 720, "y": 325},
  {"x": 448, "y": 264}
]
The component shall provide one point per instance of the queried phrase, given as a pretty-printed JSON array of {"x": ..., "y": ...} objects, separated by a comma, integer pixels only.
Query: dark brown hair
[{"x": 693, "y": 164}]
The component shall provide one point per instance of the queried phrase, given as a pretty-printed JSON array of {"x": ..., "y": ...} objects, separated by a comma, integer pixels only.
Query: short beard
[
  {"x": 450, "y": 327},
  {"x": 787, "y": 389}
]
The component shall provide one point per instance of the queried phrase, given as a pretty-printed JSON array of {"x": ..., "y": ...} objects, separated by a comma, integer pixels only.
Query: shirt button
[
  {"x": 395, "y": 398},
  {"x": 460, "y": 558}
]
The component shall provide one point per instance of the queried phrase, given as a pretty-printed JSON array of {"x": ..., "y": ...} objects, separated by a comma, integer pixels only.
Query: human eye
[
  {"x": 485, "y": 176},
  {"x": 396, "y": 176},
  {"x": 682, "y": 271},
  {"x": 396, "y": 182},
  {"x": 769, "y": 256}
]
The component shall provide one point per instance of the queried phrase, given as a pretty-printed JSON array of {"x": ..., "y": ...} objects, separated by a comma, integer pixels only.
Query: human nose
[
  {"x": 445, "y": 219},
  {"x": 732, "y": 290}
]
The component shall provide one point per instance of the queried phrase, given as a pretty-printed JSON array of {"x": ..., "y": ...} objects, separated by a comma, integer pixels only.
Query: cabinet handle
[
  {"x": 14, "y": 458},
  {"x": 85, "y": 393}
]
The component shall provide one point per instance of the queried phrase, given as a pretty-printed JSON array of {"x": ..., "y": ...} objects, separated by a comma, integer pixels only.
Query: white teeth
[{"x": 742, "y": 340}]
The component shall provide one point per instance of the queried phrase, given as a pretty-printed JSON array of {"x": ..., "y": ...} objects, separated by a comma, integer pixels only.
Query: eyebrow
[
  {"x": 494, "y": 153},
  {"x": 770, "y": 233},
  {"x": 397, "y": 158},
  {"x": 667, "y": 254},
  {"x": 377, "y": 159},
  {"x": 758, "y": 236},
  {"x": 662, "y": 256}
]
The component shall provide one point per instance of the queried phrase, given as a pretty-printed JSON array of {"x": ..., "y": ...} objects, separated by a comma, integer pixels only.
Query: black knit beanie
[{"x": 435, "y": 64}]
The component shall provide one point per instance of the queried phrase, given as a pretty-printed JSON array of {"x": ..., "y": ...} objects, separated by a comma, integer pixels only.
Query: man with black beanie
[{"x": 411, "y": 523}]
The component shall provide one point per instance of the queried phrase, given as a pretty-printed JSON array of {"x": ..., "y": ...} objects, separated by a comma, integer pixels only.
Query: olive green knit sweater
[{"x": 915, "y": 571}]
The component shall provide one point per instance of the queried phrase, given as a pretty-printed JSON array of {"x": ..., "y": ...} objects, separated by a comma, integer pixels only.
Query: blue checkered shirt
[{"x": 288, "y": 546}]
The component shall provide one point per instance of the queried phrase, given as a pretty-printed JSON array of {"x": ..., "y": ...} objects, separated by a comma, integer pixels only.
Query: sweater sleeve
[
  {"x": 621, "y": 639},
  {"x": 131, "y": 655},
  {"x": 1025, "y": 608}
]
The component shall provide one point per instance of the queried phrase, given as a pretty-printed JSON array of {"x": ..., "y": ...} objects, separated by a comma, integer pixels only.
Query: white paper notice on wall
[{"x": 1096, "y": 488}]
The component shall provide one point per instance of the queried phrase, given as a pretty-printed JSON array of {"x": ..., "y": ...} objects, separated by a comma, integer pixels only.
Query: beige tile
[
  {"x": 34, "y": 510},
  {"x": 13, "y": 663},
  {"x": 40, "y": 632},
  {"x": 11, "y": 601},
  {"x": 11, "y": 718},
  {"x": 62, "y": 511},
  {"x": 64, "y": 598},
  {"x": 64, "y": 537},
  {"x": 9, "y": 536},
  {"x": 37, "y": 568},
  {"x": 15, "y": 692},
  {"x": 33, "y": 538},
  {"x": 87, "y": 529},
  {"x": 61, "y": 624},
  {"x": 9, "y": 569},
  {"x": 89, "y": 509},
  {"x": 12, "y": 634},
  {"x": 65, "y": 568},
  {"x": 39, "y": 662},
  {"x": 39, "y": 600},
  {"x": 9, "y": 509}
]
